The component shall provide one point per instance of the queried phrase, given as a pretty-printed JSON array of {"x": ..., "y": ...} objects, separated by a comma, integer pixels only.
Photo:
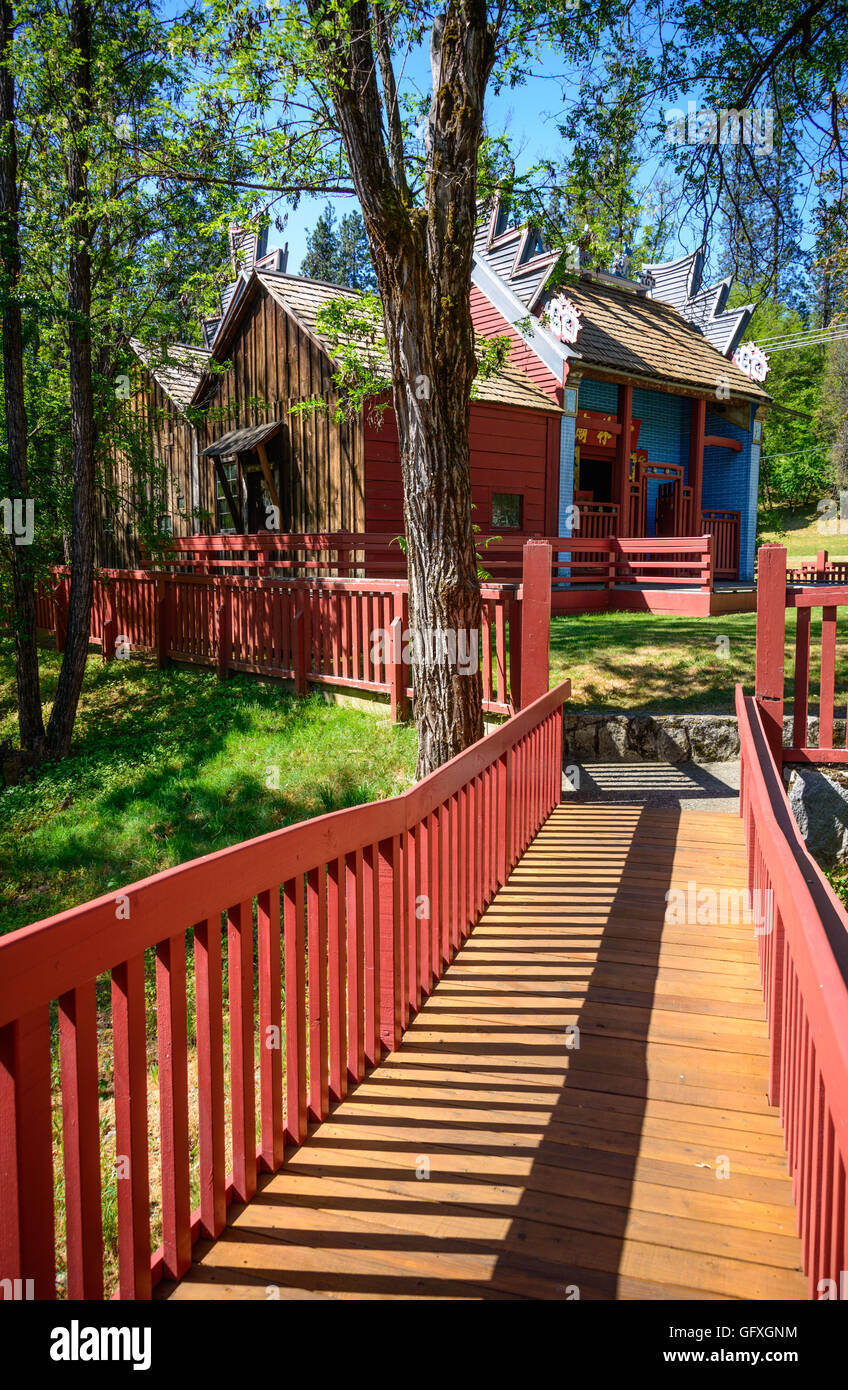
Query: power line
[{"x": 808, "y": 337}]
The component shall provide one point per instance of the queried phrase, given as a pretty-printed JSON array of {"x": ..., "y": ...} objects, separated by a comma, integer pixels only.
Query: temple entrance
[
  {"x": 596, "y": 478},
  {"x": 662, "y": 500}
]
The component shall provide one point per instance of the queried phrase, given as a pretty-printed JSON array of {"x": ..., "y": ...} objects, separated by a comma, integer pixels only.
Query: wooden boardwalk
[{"x": 500, "y": 1154}]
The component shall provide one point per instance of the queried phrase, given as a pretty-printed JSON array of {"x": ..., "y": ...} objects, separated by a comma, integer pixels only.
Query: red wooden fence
[
  {"x": 346, "y": 920},
  {"x": 596, "y": 519},
  {"x": 616, "y": 562},
  {"x": 822, "y": 571},
  {"x": 344, "y": 633},
  {"x": 809, "y": 665},
  {"x": 803, "y": 949}
]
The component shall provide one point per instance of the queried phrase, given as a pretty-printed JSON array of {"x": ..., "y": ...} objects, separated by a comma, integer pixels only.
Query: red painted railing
[
  {"x": 596, "y": 519},
  {"x": 822, "y": 571},
  {"x": 346, "y": 921},
  {"x": 345, "y": 633},
  {"x": 802, "y": 937},
  {"x": 615, "y": 562},
  {"x": 724, "y": 526},
  {"x": 631, "y": 560},
  {"x": 810, "y": 666},
  {"x": 334, "y": 554}
]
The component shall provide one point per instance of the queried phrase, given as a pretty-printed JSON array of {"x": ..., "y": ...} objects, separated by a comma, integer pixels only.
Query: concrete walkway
[{"x": 687, "y": 786}]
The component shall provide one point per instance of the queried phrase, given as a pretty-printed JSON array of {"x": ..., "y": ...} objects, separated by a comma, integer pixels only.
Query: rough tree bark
[
  {"x": 422, "y": 260},
  {"x": 30, "y": 722},
  {"x": 63, "y": 714}
]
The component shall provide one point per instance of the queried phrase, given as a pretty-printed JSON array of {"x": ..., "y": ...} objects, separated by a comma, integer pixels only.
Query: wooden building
[
  {"x": 620, "y": 411},
  {"x": 257, "y": 466}
]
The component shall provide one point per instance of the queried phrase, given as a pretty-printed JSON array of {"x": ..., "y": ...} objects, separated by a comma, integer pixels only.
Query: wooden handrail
[
  {"x": 382, "y": 894},
  {"x": 802, "y": 937}
]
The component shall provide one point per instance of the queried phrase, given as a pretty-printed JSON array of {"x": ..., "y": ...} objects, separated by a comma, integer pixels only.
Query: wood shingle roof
[
  {"x": 304, "y": 298},
  {"x": 633, "y": 335}
]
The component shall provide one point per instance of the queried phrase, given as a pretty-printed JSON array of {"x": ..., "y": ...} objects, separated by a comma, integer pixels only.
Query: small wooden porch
[{"x": 621, "y": 492}]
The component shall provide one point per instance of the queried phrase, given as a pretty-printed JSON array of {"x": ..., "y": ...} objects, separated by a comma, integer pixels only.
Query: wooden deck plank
[{"x": 634, "y": 1158}]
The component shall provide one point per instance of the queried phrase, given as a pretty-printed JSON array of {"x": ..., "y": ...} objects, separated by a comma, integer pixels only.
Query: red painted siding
[
  {"x": 489, "y": 321},
  {"x": 512, "y": 450}
]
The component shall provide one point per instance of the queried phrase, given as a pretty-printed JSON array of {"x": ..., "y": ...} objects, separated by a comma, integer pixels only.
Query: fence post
[
  {"x": 163, "y": 624},
  {"x": 821, "y": 566},
  {"x": 535, "y": 620},
  {"x": 110, "y": 629},
  {"x": 391, "y": 983},
  {"x": 60, "y": 602},
  {"x": 299, "y": 653},
  {"x": 711, "y": 547},
  {"x": 397, "y": 676},
  {"x": 514, "y": 654},
  {"x": 225, "y": 631},
  {"x": 771, "y": 640}
]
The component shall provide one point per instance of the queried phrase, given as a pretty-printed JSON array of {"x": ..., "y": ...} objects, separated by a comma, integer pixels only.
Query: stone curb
[{"x": 664, "y": 738}]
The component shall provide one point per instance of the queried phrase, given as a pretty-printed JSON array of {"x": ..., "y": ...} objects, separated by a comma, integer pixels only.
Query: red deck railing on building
[
  {"x": 346, "y": 921},
  {"x": 724, "y": 526}
]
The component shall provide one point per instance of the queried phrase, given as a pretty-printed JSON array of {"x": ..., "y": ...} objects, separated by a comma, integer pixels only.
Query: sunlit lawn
[
  {"x": 168, "y": 765},
  {"x": 646, "y": 662},
  {"x": 804, "y": 534}
]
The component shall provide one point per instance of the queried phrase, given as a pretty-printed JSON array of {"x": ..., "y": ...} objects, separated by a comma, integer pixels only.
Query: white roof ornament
[
  {"x": 751, "y": 360},
  {"x": 562, "y": 317}
]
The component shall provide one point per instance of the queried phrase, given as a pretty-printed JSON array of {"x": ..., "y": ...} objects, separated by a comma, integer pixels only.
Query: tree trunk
[
  {"x": 422, "y": 261},
  {"x": 63, "y": 714},
  {"x": 30, "y": 722},
  {"x": 431, "y": 399}
]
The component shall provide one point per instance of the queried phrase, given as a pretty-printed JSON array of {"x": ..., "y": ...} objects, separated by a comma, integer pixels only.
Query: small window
[
  {"x": 166, "y": 526},
  {"x": 223, "y": 515},
  {"x": 506, "y": 511}
]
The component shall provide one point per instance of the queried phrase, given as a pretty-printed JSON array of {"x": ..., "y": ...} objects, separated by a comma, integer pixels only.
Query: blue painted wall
[{"x": 730, "y": 479}]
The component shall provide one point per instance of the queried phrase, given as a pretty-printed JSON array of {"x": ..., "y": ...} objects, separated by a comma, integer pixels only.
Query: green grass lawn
[
  {"x": 800, "y": 532},
  {"x": 168, "y": 765},
  {"x": 646, "y": 662}
]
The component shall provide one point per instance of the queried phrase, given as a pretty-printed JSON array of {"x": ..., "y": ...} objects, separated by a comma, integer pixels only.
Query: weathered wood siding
[
  {"x": 274, "y": 364},
  {"x": 169, "y": 436}
]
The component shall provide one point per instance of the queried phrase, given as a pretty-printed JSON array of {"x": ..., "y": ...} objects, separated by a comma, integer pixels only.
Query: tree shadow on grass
[{"x": 153, "y": 780}]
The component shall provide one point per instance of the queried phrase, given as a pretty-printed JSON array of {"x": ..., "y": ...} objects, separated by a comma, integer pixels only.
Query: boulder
[{"x": 820, "y": 806}]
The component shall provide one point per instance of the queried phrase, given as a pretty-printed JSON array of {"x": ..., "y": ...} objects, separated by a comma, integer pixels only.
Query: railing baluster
[
  {"x": 173, "y": 1104},
  {"x": 80, "y": 1141},
  {"x": 242, "y": 1089},
  {"x": 270, "y": 1029},
  {"x": 128, "y": 1035},
  {"x": 336, "y": 970},
  {"x": 371, "y": 911},
  {"x": 388, "y": 890},
  {"x": 27, "y": 1250},
  {"x": 354, "y": 880},
  {"x": 210, "y": 1077},
  {"x": 295, "y": 977},
  {"x": 316, "y": 917},
  {"x": 827, "y": 677}
]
